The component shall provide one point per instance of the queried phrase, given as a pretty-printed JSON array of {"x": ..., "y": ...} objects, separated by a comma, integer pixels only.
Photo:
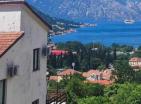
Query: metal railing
[{"x": 54, "y": 97}]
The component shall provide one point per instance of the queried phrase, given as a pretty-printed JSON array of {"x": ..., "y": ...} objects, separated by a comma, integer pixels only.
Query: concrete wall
[
  {"x": 10, "y": 18},
  {"x": 27, "y": 86}
]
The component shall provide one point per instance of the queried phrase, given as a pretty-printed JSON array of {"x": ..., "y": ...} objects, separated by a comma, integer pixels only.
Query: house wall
[
  {"x": 27, "y": 86},
  {"x": 10, "y": 17},
  {"x": 135, "y": 63}
]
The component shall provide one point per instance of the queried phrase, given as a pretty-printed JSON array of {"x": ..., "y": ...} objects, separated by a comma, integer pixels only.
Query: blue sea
[{"x": 105, "y": 33}]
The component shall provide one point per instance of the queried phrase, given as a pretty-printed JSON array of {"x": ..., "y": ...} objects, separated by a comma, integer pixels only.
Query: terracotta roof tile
[
  {"x": 68, "y": 72},
  {"x": 7, "y": 39},
  {"x": 91, "y": 72},
  {"x": 135, "y": 59}
]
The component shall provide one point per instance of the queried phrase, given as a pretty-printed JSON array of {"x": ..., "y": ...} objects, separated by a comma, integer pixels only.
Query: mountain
[
  {"x": 58, "y": 25},
  {"x": 90, "y": 10}
]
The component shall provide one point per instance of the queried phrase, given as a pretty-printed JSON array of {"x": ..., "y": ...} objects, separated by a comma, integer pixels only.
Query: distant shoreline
[{"x": 105, "y": 34}]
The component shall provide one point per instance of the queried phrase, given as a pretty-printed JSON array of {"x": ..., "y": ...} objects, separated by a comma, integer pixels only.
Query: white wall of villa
[
  {"x": 135, "y": 63},
  {"x": 27, "y": 86}
]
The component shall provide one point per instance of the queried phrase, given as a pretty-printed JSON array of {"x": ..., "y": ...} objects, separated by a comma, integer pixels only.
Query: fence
[{"x": 56, "y": 97}]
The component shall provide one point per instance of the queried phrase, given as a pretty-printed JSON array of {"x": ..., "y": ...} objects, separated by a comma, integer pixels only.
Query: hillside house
[
  {"x": 135, "y": 63},
  {"x": 91, "y": 73},
  {"x": 23, "y": 36},
  {"x": 96, "y": 76}
]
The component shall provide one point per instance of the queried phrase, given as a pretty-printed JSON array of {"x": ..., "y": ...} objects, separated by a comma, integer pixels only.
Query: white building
[
  {"x": 135, "y": 62},
  {"x": 23, "y": 34}
]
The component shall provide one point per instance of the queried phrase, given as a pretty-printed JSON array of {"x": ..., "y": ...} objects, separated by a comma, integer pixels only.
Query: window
[
  {"x": 36, "y": 59},
  {"x": 2, "y": 91},
  {"x": 36, "y": 101}
]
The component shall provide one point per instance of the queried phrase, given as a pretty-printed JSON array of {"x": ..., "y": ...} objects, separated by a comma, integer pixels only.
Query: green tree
[
  {"x": 109, "y": 91},
  {"x": 94, "y": 90},
  {"x": 127, "y": 94},
  {"x": 138, "y": 76},
  {"x": 114, "y": 53},
  {"x": 123, "y": 71},
  {"x": 94, "y": 100},
  {"x": 137, "y": 54},
  {"x": 75, "y": 88},
  {"x": 101, "y": 67}
]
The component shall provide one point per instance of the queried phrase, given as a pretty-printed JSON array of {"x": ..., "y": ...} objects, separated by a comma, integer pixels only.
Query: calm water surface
[{"x": 105, "y": 33}]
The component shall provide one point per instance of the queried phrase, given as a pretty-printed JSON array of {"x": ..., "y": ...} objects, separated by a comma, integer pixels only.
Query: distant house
[
  {"x": 23, "y": 33},
  {"x": 135, "y": 63},
  {"x": 68, "y": 72},
  {"x": 96, "y": 76},
  {"x": 55, "y": 78},
  {"x": 107, "y": 74},
  {"x": 90, "y": 73}
]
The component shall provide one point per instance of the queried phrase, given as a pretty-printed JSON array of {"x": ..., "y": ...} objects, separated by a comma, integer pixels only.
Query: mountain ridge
[{"x": 93, "y": 10}]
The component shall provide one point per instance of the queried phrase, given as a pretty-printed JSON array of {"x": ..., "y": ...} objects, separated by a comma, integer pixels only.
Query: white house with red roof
[
  {"x": 135, "y": 62},
  {"x": 90, "y": 73},
  {"x": 96, "y": 76},
  {"x": 23, "y": 37}
]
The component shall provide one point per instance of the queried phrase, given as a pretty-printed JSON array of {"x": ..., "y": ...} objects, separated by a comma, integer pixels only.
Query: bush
[
  {"x": 94, "y": 90},
  {"x": 127, "y": 94},
  {"x": 94, "y": 100},
  {"x": 76, "y": 88}
]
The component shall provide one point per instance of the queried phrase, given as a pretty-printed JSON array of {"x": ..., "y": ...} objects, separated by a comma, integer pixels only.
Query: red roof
[
  {"x": 68, "y": 72},
  {"x": 58, "y": 52},
  {"x": 135, "y": 59},
  {"x": 8, "y": 39},
  {"x": 91, "y": 72}
]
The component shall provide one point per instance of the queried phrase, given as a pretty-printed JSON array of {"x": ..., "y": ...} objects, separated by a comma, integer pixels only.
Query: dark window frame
[
  {"x": 36, "y": 59},
  {"x": 3, "y": 98},
  {"x": 3, "y": 93},
  {"x": 36, "y": 101}
]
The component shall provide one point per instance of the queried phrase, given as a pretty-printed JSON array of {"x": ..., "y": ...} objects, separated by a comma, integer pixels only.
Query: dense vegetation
[
  {"x": 79, "y": 92},
  {"x": 116, "y": 94},
  {"x": 125, "y": 90},
  {"x": 90, "y": 56}
]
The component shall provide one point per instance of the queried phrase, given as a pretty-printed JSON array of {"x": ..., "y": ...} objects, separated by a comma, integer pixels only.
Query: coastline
[{"x": 106, "y": 34}]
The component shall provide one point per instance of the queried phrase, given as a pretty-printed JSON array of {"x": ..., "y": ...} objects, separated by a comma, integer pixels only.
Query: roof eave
[
  {"x": 12, "y": 44},
  {"x": 47, "y": 24}
]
